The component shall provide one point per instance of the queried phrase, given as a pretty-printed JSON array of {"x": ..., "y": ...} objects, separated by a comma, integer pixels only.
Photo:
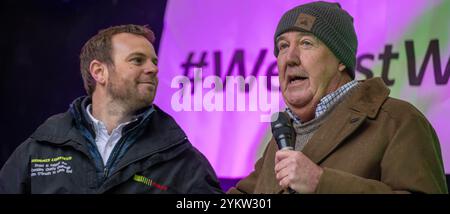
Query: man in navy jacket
[{"x": 114, "y": 140}]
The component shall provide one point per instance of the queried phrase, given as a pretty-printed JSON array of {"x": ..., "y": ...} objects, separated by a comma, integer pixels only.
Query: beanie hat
[{"x": 328, "y": 22}]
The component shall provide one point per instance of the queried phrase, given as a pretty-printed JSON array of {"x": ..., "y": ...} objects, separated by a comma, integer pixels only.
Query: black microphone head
[
  {"x": 282, "y": 130},
  {"x": 280, "y": 123}
]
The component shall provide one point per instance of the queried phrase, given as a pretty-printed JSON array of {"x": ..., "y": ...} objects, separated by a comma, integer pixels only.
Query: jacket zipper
[
  {"x": 105, "y": 173},
  {"x": 115, "y": 152}
]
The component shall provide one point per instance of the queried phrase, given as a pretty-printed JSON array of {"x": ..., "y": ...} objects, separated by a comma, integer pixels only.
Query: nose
[
  {"x": 293, "y": 56},
  {"x": 151, "y": 67}
]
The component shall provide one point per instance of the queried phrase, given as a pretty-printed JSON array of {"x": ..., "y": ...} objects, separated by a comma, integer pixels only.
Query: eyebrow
[
  {"x": 140, "y": 54},
  {"x": 299, "y": 35},
  {"x": 279, "y": 38},
  {"x": 136, "y": 54}
]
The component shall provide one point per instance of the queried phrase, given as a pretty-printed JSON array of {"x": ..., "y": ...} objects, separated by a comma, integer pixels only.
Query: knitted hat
[{"x": 328, "y": 22}]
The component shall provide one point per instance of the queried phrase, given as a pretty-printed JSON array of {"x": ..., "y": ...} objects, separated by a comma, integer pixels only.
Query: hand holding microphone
[
  {"x": 284, "y": 133},
  {"x": 293, "y": 169}
]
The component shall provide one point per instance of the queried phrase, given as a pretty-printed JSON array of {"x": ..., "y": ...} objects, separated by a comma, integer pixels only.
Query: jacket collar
[
  {"x": 363, "y": 103},
  {"x": 369, "y": 98},
  {"x": 62, "y": 128},
  {"x": 55, "y": 129},
  {"x": 160, "y": 133}
]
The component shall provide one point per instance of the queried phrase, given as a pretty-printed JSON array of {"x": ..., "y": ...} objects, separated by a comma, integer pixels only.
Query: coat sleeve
[
  {"x": 412, "y": 163},
  {"x": 202, "y": 175},
  {"x": 248, "y": 184},
  {"x": 14, "y": 176}
]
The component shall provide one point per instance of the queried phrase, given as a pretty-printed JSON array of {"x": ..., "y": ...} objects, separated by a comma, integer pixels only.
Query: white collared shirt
[{"x": 105, "y": 142}]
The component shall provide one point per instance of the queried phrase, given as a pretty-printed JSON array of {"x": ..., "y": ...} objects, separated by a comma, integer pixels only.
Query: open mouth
[{"x": 296, "y": 79}]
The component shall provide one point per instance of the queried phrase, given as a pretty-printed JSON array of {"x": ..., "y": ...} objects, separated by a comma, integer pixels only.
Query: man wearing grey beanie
[{"x": 350, "y": 136}]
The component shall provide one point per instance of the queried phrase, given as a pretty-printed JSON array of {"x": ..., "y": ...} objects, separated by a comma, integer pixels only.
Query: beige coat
[{"x": 370, "y": 143}]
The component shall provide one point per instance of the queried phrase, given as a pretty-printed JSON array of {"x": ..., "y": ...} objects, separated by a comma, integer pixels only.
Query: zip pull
[{"x": 105, "y": 172}]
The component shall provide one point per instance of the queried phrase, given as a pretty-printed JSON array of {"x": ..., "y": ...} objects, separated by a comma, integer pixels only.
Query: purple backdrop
[{"x": 235, "y": 38}]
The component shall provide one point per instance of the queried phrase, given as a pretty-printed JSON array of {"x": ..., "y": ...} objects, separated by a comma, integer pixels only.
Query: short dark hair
[{"x": 99, "y": 48}]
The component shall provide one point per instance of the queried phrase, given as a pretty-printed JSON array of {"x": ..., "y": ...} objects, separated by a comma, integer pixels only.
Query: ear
[
  {"x": 341, "y": 66},
  {"x": 99, "y": 71}
]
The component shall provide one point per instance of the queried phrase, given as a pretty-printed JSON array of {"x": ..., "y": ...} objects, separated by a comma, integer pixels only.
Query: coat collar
[
  {"x": 159, "y": 126},
  {"x": 369, "y": 97},
  {"x": 363, "y": 103},
  {"x": 61, "y": 128}
]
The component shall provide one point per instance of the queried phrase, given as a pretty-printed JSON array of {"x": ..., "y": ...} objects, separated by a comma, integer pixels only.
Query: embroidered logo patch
[
  {"x": 51, "y": 166},
  {"x": 149, "y": 182},
  {"x": 305, "y": 21}
]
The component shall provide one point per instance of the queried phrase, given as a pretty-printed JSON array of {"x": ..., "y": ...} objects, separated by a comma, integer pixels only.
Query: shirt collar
[{"x": 100, "y": 126}]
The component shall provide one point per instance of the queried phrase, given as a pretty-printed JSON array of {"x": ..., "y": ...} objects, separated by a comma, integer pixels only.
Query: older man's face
[{"x": 308, "y": 70}]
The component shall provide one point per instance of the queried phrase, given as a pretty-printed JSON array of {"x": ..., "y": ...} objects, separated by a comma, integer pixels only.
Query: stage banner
[{"x": 218, "y": 74}]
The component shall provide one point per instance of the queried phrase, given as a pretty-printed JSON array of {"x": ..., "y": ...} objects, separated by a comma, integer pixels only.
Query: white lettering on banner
[{"x": 213, "y": 100}]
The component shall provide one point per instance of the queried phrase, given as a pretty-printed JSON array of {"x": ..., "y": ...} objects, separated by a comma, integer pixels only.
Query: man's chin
[
  {"x": 148, "y": 101},
  {"x": 296, "y": 101},
  {"x": 136, "y": 103}
]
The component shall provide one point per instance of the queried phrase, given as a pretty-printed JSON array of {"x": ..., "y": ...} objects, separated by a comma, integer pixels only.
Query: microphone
[
  {"x": 284, "y": 134},
  {"x": 282, "y": 131}
]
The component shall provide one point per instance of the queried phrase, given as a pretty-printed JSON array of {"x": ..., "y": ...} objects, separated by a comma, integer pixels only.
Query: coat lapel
[
  {"x": 330, "y": 136},
  {"x": 364, "y": 103}
]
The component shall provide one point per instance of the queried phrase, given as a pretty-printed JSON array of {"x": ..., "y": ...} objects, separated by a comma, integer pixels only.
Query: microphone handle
[
  {"x": 287, "y": 148},
  {"x": 283, "y": 144}
]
